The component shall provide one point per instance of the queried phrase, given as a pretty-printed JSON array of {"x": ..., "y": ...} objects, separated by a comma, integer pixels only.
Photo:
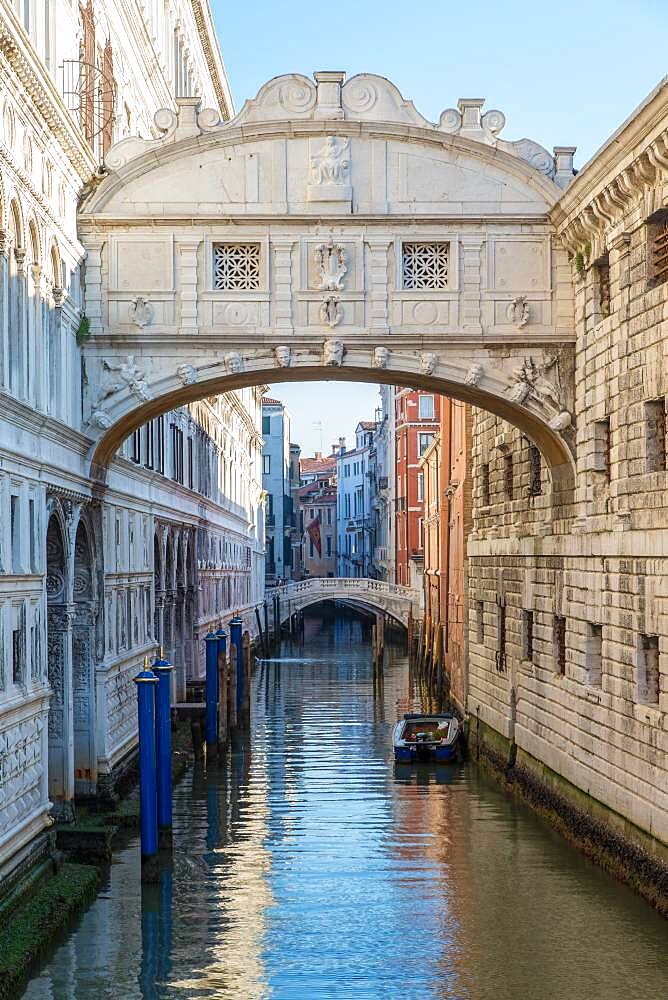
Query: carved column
[
  {"x": 83, "y": 701},
  {"x": 282, "y": 318},
  {"x": 94, "y": 285},
  {"x": 23, "y": 362},
  {"x": 60, "y": 619},
  {"x": 377, "y": 302},
  {"x": 4, "y": 338},
  {"x": 36, "y": 347},
  {"x": 187, "y": 279},
  {"x": 471, "y": 272}
]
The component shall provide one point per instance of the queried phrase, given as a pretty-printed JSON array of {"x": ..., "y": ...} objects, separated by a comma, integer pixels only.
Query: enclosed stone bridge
[
  {"x": 329, "y": 231},
  {"x": 372, "y": 595}
]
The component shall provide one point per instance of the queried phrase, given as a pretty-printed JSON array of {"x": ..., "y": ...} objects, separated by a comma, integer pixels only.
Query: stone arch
[
  {"x": 83, "y": 662},
  {"x": 489, "y": 390}
]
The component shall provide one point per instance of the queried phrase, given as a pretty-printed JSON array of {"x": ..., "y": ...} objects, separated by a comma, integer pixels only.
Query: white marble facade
[{"x": 90, "y": 582}]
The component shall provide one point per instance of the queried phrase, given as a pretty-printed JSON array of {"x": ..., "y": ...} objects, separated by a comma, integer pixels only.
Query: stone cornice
[
  {"x": 630, "y": 169},
  {"x": 212, "y": 56},
  {"x": 42, "y": 92}
]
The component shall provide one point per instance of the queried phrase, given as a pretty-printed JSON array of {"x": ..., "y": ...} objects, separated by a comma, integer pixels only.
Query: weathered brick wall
[{"x": 600, "y": 718}]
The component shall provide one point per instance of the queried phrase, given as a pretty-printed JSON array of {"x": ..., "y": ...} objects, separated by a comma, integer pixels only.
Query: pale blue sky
[{"x": 565, "y": 73}]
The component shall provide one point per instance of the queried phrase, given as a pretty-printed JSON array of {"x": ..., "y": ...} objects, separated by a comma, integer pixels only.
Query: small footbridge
[{"x": 373, "y": 595}]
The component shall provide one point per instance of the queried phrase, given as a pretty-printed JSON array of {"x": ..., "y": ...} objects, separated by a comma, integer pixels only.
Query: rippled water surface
[{"x": 309, "y": 868}]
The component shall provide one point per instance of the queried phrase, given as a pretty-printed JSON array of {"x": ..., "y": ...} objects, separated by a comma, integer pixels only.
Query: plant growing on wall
[{"x": 83, "y": 330}]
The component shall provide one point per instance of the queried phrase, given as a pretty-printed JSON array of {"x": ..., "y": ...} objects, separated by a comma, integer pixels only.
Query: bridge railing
[{"x": 345, "y": 584}]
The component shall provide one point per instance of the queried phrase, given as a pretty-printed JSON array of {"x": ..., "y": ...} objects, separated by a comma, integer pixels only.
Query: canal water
[{"x": 308, "y": 868}]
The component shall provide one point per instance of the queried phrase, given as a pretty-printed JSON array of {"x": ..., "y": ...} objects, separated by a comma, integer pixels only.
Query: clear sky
[{"x": 564, "y": 74}]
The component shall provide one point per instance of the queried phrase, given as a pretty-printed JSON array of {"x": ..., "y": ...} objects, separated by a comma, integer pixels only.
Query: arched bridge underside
[
  {"x": 375, "y": 595},
  {"x": 329, "y": 231}
]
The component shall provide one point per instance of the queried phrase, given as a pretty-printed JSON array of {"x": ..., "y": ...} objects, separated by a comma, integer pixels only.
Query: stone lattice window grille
[
  {"x": 594, "y": 655},
  {"x": 657, "y": 249},
  {"x": 535, "y": 470},
  {"x": 648, "y": 686},
  {"x": 236, "y": 266},
  {"x": 480, "y": 621},
  {"x": 527, "y": 635},
  {"x": 425, "y": 266},
  {"x": 508, "y": 477},
  {"x": 655, "y": 434},
  {"x": 559, "y": 643},
  {"x": 500, "y": 637},
  {"x": 484, "y": 485},
  {"x": 602, "y": 447},
  {"x": 602, "y": 276}
]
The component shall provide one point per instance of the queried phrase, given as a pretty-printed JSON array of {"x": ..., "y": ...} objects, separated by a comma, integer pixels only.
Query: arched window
[
  {"x": 33, "y": 310},
  {"x": 16, "y": 303},
  {"x": 52, "y": 333}
]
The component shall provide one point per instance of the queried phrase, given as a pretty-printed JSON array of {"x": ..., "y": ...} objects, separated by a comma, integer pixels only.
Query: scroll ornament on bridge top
[{"x": 331, "y": 98}]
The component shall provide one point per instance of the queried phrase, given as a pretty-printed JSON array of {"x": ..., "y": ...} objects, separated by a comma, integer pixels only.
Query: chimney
[
  {"x": 342, "y": 444},
  {"x": 318, "y": 456}
]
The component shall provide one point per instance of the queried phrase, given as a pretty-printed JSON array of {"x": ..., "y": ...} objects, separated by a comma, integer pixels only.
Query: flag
[{"x": 313, "y": 531}]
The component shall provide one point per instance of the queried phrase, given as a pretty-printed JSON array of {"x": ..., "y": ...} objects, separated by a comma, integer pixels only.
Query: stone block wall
[{"x": 568, "y": 620}]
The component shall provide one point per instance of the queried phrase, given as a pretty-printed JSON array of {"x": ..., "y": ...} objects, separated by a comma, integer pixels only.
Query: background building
[
  {"x": 417, "y": 423},
  {"x": 354, "y": 515},
  {"x": 317, "y": 520},
  {"x": 277, "y": 470},
  {"x": 383, "y": 485},
  {"x": 89, "y": 586}
]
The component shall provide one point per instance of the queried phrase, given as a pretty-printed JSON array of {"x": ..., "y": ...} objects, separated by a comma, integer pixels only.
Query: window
[
  {"x": 148, "y": 445},
  {"x": 346, "y": 505},
  {"x": 359, "y": 501},
  {"x": 266, "y": 465},
  {"x": 602, "y": 447},
  {"x": 236, "y": 265},
  {"x": 657, "y": 249},
  {"x": 501, "y": 637},
  {"x": 508, "y": 484},
  {"x": 108, "y": 97},
  {"x": 426, "y": 407},
  {"x": 527, "y": 635},
  {"x": 420, "y": 486},
  {"x": 191, "y": 473},
  {"x": 602, "y": 277},
  {"x": 594, "y": 654},
  {"x": 266, "y": 424},
  {"x": 18, "y": 656},
  {"x": 328, "y": 543},
  {"x": 655, "y": 435},
  {"x": 135, "y": 446},
  {"x": 310, "y": 548},
  {"x": 535, "y": 484},
  {"x": 160, "y": 442},
  {"x": 425, "y": 265},
  {"x": 424, "y": 440},
  {"x": 484, "y": 484},
  {"x": 559, "y": 643},
  {"x": 32, "y": 528},
  {"x": 177, "y": 454},
  {"x": 329, "y": 515},
  {"x": 648, "y": 688},
  {"x": 15, "y": 531},
  {"x": 480, "y": 620}
]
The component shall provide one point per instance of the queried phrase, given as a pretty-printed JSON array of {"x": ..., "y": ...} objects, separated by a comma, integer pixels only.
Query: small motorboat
[{"x": 426, "y": 738}]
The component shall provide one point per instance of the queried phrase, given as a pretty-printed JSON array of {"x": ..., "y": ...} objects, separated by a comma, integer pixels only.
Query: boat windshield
[{"x": 421, "y": 729}]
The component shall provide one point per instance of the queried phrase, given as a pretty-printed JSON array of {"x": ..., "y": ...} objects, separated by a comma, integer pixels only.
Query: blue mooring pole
[
  {"x": 162, "y": 668},
  {"x": 148, "y": 799},
  {"x": 211, "y": 640},
  {"x": 221, "y": 636},
  {"x": 236, "y": 626}
]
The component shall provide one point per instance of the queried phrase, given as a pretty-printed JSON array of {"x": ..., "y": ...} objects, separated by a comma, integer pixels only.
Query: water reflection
[{"x": 308, "y": 865}]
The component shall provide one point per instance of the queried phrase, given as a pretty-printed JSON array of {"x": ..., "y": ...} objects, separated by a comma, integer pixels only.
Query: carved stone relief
[
  {"x": 518, "y": 312},
  {"x": 381, "y": 357},
  {"x": 331, "y": 259},
  {"x": 140, "y": 312},
  {"x": 187, "y": 374},
  {"x": 283, "y": 356},
  {"x": 333, "y": 353},
  {"x": 428, "y": 362},
  {"x": 330, "y": 171},
  {"x": 233, "y": 362},
  {"x": 331, "y": 313},
  {"x": 474, "y": 374}
]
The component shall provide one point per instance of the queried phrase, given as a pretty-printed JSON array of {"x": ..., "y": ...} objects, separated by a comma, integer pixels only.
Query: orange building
[
  {"x": 417, "y": 424},
  {"x": 446, "y": 482}
]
